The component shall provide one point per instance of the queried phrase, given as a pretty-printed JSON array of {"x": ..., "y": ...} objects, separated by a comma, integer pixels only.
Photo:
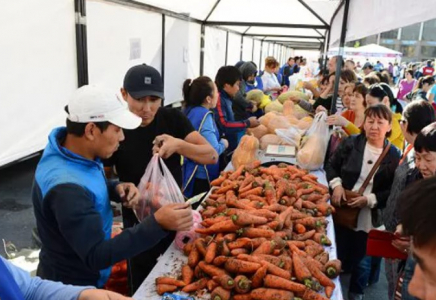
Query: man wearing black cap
[{"x": 163, "y": 130}]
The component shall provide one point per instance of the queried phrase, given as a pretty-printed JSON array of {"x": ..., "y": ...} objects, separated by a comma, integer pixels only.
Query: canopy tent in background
[
  {"x": 370, "y": 17},
  {"x": 370, "y": 53}
]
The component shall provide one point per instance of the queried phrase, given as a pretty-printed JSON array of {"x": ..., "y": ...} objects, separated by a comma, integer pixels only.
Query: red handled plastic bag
[{"x": 157, "y": 188}]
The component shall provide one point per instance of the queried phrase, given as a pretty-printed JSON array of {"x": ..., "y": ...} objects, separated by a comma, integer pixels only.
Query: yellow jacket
[{"x": 396, "y": 138}]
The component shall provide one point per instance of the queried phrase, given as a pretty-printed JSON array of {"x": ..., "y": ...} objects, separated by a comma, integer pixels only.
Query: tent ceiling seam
[{"x": 313, "y": 12}]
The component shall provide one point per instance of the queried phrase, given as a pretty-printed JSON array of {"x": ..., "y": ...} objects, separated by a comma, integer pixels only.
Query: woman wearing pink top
[{"x": 406, "y": 85}]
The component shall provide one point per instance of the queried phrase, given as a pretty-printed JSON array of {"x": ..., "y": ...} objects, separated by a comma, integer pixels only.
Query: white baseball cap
[{"x": 91, "y": 103}]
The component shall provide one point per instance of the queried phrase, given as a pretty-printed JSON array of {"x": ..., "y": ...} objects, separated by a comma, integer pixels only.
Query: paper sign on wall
[{"x": 135, "y": 49}]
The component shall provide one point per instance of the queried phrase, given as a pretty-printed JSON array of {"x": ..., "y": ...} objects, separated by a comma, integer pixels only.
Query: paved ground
[{"x": 17, "y": 219}]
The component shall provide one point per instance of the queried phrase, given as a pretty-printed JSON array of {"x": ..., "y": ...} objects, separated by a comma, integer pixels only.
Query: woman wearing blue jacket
[{"x": 201, "y": 96}]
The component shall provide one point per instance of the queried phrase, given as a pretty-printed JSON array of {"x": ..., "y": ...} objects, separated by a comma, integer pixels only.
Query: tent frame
[{"x": 81, "y": 38}]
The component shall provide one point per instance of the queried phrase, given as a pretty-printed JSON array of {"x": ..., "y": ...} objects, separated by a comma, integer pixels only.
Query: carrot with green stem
[
  {"x": 242, "y": 284},
  {"x": 271, "y": 294},
  {"x": 322, "y": 239},
  {"x": 258, "y": 277},
  {"x": 272, "y": 281},
  {"x": 325, "y": 209},
  {"x": 312, "y": 222},
  {"x": 317, "y": 273},
  {"x": 225, "y": 281},
  {"x": 308, "y": 204},
  {"x": 300, "y": 270},
  {"x": 165, "y": 288},
  {"x": 196, "y": 286},
  {"x": 220, "y": 293},
  {"x": 296, "y": 215},
  {"x": 333, "y": 268},
  {"x": 234, "y": 202}
]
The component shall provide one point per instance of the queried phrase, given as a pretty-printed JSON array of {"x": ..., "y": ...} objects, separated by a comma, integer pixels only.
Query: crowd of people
[{"x": 71, "y": 193}]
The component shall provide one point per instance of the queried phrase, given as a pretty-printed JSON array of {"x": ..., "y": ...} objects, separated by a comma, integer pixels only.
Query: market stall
[{"x": 170, "y": 264}]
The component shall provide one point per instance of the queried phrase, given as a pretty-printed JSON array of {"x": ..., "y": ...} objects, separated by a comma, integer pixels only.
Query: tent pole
[
  {"x": 261, "y": 52},
  {"x": 163, "y": 49},
  {"x": 339, "y": 58},
  {"x": 202, "y": 37},
  {"x": 81, "y": 43},
  {"x": 252, "y": 50},
  {"x": 242, "y": 47}
]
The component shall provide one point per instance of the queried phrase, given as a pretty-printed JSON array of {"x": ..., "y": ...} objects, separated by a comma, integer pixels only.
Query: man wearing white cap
[{"x": 71, "y": 195}]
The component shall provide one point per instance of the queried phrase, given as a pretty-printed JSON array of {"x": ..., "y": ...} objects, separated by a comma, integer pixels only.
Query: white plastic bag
[
  {"x": 157, "y": 188},
  {"x": 291, "y": 136},
  {"x": 313, "y": 148}
]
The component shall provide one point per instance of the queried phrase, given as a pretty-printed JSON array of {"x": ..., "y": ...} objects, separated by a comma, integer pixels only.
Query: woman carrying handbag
[{"x": 360, "y": 174}]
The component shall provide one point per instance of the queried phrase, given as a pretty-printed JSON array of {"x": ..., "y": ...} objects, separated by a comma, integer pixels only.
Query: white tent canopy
[{"x": 369, "y": 17}]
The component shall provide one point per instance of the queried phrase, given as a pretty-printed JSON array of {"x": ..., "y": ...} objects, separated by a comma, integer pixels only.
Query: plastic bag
[
  {"x": 313, "y": 148},
  {"x": 291, "y": 136},
  {"x": 157, "y": 188}
]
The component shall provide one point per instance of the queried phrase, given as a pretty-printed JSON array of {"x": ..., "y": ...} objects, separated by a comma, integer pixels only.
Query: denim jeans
[{"x": 409, "y": 269}]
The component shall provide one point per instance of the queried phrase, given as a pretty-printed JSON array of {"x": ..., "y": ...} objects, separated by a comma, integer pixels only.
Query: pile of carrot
[{"x": 263, "y": 237}]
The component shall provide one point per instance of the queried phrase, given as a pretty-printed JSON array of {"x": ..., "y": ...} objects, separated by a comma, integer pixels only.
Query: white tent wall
[
  {"x": 38, "y": 61},
  {"x": 120, "y": 37},
  {"x": 386, "y": 15},
  {"x": 215, "y": 51},
  {"x": 194, "y": 50},
  {"x": 177, "y": 58},
  {"x": 233, "y": 49},
  {"x": 247, "y": 50}
]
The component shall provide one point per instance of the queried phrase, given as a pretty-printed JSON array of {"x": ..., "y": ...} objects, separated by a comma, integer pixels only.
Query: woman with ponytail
[{"x": 200, "y": 97}]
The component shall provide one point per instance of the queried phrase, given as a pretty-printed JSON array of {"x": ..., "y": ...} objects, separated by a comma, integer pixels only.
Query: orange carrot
[
  {"x": 265, "y": 248},
  {"x": 313, "y": 250},
  {"x": 304, "y": 236},
  {"x": 237, "y": 251},
  {"x": 165, "y": 288},
  {"x": 329, "y": 291},
  {"x": 300, "y": 228},
  {"x": 225, "y": 189},
  {"x": 308, "y": 204},
  {"x": 220, "y": 293},
  {"x": 187, "y": 274},
  {"x": 230, "y": 237},
  {"x": 245, "y": 219},
  {"x": 246, "y": 188},
  {"x": 239, "y": 243},
  {"x": 333, "y": 268},
  {"x": 196, "y": 286},
  {"x": 240, "y": 266},
  {"x": 271, "y": 259},
  {"x": 296, "y": 215},
  {"x": 218, "y": 181},
  {"x": 300, "y": 270},
  {"x": 270, "y": 194},
  {"x": 256, "y": 233},
  {"x": 297, "y": 244},
  {"x": 256, "y": 242},
  {"x": 225, "y": 281},
  {"x": 322, "y": 239},
  {"x": 258, "y": 277},
  {"x": 256, "y": 191},
  {"x": 323, "y": 258},
  {"x": 298, "y": 205},
  {"x": 312, "y": 295},
  {"x": 242, "y": 284},
  {"x": 187, "y": 248},
  {"x": 287, "y": 262},
  {"x": 236, "y": 173},
  {"x": 312, "y": 222},
  {"x": 211, "y": 270},
  {"x": 242, "y": 297},
  {"x": 194, "y": 257},
  {"x": 276, "y": 270},
  {"x": 276, "y": 207},
  {"x": 317, "y": 273},
  {"x": 220, "y": 260},
  {"x": 264, "y": 213},
  {"x": 211, "y": 252},
  {"x": 170, "y": 281},
  {"x": 312, "y": 197},
  {"x": 234, "y": 202},
  {"x": 325, "y": 209},
  {"x": 256, "y": 198},
  {"x": 225, "y": 250},
  {"x": 273, "y": 294},
  {"x": 224, "y": 227},
  {"x": 272, "y": 281},
  {"x": 200, "y": 245},
  {"x": 274, "y": 225},
  {"x": 211, "y": 221},
  {"x": 211, "y": 285}
]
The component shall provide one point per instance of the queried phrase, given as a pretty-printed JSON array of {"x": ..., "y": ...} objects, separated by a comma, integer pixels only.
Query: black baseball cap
[{"x": 142, "y": 81}]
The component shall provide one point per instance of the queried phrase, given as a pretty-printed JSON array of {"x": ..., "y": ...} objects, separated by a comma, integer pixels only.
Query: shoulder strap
[
  {"x": 374, "y": 168},
  {"x": 204, "y": 120}
]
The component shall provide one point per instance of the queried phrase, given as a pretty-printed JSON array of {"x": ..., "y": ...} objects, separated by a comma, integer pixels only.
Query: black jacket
[{"x": 347, "y": 161}]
